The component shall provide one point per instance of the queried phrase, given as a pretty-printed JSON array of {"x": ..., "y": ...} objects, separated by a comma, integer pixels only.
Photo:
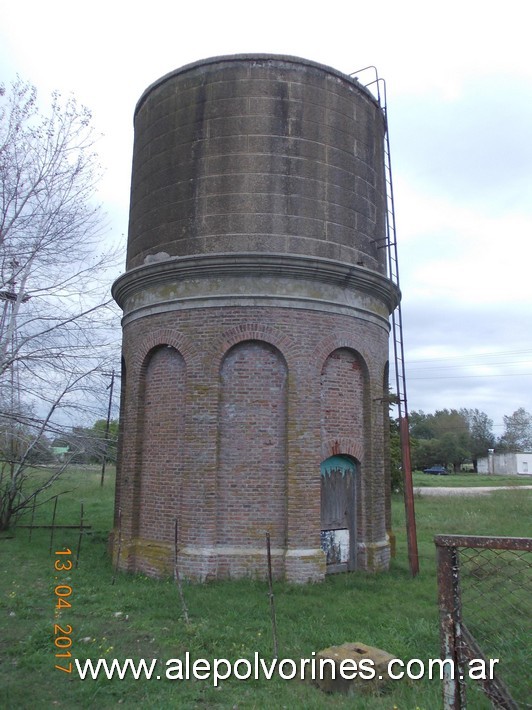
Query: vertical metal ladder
[{"x": 390, "y": 243}]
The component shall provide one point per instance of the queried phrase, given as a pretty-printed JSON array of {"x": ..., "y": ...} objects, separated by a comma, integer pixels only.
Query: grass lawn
[
  {"x": 139, "y": 617},
  {"x": 466, "y": 480}
]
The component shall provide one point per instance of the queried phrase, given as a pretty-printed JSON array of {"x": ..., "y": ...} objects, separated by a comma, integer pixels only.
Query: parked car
[{"x": 437, "y": 470}]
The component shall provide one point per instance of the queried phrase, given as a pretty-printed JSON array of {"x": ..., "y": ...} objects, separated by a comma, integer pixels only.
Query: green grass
[
  {"x": 461, "y": 480},
  {"x": 139, "y": 617}
]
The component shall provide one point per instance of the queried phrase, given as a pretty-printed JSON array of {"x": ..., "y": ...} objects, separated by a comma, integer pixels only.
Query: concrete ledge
[{"x": 254, "y": 278}]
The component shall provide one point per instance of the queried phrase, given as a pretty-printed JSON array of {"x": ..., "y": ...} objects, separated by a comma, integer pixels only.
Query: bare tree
[{"x": 56, "y": 316}]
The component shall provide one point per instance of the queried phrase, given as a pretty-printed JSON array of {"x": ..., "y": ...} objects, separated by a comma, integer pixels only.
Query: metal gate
[
  {"x": 485, "y": 593},
  {"x": 338, "y": 513}
]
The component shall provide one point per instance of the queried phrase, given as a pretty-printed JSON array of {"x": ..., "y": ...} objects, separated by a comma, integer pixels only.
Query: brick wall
[
  {"x": 342, "y": 398},
  {"x": 267, "y": 395},
  {"x": 162, "y": 435},
  {"x": 252, "y": 451}
]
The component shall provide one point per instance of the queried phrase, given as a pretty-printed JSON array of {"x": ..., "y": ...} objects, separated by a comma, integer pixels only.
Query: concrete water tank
[{"x": 255, "y": 329}]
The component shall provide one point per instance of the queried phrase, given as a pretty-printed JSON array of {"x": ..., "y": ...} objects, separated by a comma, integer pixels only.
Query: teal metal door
[{"x": 338, "y": 513}]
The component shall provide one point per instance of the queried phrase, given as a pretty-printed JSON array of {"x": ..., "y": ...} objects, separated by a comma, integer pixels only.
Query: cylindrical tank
[
  {"x": 261, "y": 154},
  {"x": 256, "y": 324}
]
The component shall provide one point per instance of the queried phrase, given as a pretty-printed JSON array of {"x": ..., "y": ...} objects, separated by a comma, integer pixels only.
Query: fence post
[
  {"x": 33, "y": 515},
  {"x": 80, "y": 535},
  {"x": 270, "y": 595},
  {"x": 119, "y": 545},
  {"x": 449, "y": 603},
  {"x": 177, "y": 576},
  {"x": 52, "y": 528}
]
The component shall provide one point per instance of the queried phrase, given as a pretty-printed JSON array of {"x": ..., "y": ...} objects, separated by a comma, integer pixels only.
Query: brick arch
[
  {"x": 336, "y": 342},
  {"x": 155, "y": 339},
  {"x": 253, "y": 331},
  {"x": 344, "y": 389},
  {"x": 160, "y": 445},
  {"x": 252, "y": 441},
  {"x": 342, "y": 446}
]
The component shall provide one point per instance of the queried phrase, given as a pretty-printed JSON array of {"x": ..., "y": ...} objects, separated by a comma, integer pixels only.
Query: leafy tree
[
  {"x": 453, "y": 449},
  {"x": 56, "y": 313},
  {"x": 450, "y": 437},
  {"x": 424, "y": 452},
  {"x": 449, "y": 421},
  {"x": 517, "y": 431},
  {"x": 481, "y": 436},
  {"x": 421, "y": 425}
]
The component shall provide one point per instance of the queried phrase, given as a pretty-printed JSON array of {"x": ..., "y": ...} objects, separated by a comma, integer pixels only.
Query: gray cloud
[
  {"x": 468, "y": 357},
  {"x": 474, "y": 148}
]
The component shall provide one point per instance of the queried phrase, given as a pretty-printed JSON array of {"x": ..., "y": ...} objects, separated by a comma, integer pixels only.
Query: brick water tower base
[{"x": 255, "y": 329}]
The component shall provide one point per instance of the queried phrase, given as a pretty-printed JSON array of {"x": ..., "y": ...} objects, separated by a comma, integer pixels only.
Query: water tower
[{"x": 256, "y": 308}]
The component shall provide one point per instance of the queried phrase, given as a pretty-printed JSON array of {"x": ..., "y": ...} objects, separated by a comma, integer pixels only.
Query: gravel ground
[{"x": 471, "y": 491}]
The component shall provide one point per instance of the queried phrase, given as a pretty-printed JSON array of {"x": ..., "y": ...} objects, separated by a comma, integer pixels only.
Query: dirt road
[{"x": 470, "y": 491}]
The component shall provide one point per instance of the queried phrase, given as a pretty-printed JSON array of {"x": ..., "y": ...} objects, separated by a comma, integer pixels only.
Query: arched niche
[
  {"x": 162, "y": 413},
  {"x": 343, "y": 394},
  {"x": 252, "y": 446}
]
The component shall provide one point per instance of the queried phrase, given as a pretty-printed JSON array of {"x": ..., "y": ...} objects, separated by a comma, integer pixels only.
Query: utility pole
[
  {"x": 108, "y": 420},
  {"x": 8, "y": 347}
]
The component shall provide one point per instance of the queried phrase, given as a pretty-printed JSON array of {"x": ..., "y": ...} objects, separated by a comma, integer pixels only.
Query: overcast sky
[{"x": 459, "y": 87}]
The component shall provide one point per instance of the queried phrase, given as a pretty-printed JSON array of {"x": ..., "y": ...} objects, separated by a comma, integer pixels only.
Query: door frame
[{"x": 351, "y": 465}]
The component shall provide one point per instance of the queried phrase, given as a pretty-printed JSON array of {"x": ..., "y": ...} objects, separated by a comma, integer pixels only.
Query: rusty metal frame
[
  {"x": 484, "y": 542},
  {"x": 450, "y": 624},
  {"x": 457, "y": 643}
]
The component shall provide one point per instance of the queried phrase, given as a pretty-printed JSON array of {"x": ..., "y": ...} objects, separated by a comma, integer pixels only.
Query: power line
[
  {"x": 445, "y": 358},
  {"x": 469, "y": 377},
  {"x": 461, "y": 367}
]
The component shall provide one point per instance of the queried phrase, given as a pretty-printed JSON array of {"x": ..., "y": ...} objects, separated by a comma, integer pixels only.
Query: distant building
[
  {"x": 60, "y": 452},
  {"x": 506, "y": 464}
]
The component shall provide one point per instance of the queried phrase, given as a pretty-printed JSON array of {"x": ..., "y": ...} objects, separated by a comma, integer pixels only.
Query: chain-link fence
[{"x": 485, "y": 596}]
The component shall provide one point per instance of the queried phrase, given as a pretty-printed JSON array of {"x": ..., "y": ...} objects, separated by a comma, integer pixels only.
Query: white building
[{"x": 506, "y": 464}]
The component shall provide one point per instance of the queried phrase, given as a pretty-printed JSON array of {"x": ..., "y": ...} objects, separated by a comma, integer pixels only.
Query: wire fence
[
  {"x": 485, "y": 597},
  {"x": 56, "y": 529}
]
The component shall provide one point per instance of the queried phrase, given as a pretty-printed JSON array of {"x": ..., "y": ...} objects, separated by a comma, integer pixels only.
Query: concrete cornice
[{"x": 256, "y": 265}]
